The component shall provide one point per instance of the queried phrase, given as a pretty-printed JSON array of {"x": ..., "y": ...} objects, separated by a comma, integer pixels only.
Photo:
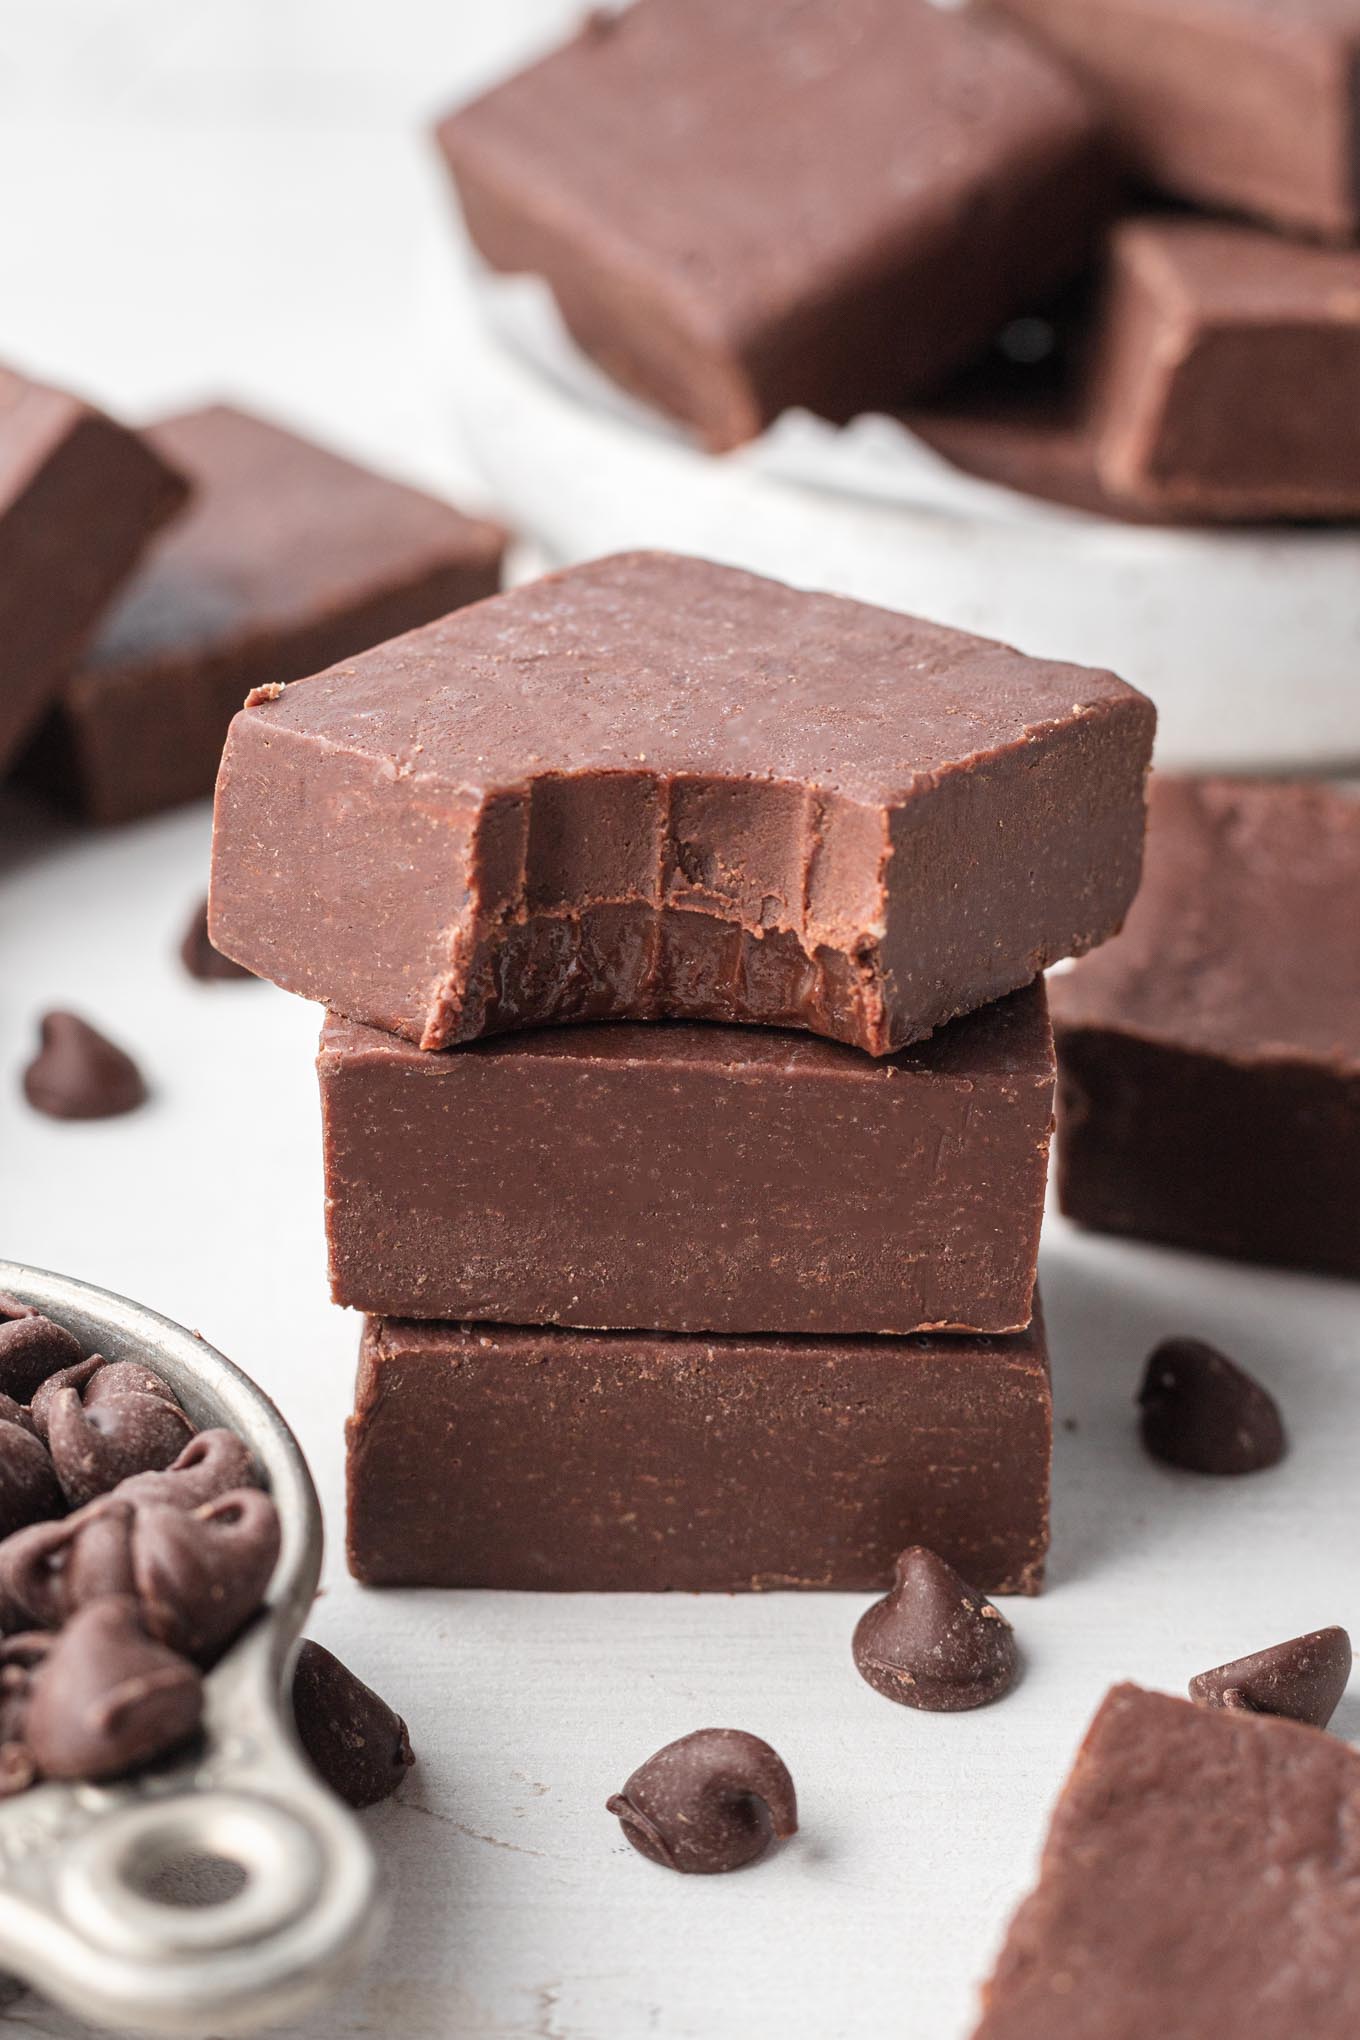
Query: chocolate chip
[
  {"x": 933, "y": 1642},
  {"x": 108, "y": 1698},
  {"x": 51, "y": 1569},
  {"x": 211, "y": 1464},
  {"x": 28, "y": 1482},
  {"x": 201, "y": 1574},
  {"x": 20, "y": 1657},
  {"x": 93, "y": 1448},
  {"x": 76, "y": 1376},
  {"x": 32, "y": 1348},
  {"x": 99, "y": 1381},
  {"x": 356, "y": 1742},
  {"x": 12, "y": 1412},
  {"x": 1203, "y": 1412},
  {"x": 198, "y": 955},
  {"x": 79, "y": 1074},
  {"x": 1303, "y": 1679},
  {"x": 709, "y": 1802}
]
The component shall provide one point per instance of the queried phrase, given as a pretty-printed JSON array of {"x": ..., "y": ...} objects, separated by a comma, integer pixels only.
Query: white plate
[{"x": 1248, "y": 641}]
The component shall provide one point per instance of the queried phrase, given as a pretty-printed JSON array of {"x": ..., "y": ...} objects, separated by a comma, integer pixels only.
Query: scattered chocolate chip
[
  {"x": 933, "y": 1642},
  {"x": 32, "y": 1347},
  {"x": 355, "y": 1741},
  {"x": 1303, "y": 1679},
  {"x": 79, "y": 1074},
  {"x": 709, "y": 1802},
  {"x": 95, "y": 1447},
  {"x": 108, "y": 1698},
  {"x": 1203, "y": 1412},
  {"x": 201, "y": 1574},
  {"x": 211, "y": 1464},
  {"x": 28, "y": 1483},
  {"x": 198, "y": 955}
]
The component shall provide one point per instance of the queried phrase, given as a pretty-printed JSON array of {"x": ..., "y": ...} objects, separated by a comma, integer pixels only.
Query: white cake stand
[{"x": 1248, "y": 640}]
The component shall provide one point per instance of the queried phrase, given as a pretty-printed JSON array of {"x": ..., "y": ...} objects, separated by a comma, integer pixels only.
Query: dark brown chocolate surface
[
  {"x": 1201, "y": 1877},
  {"x": 79, "y": 498},
  {"x": 290, "y": 559},
  {"x": 1242, "y": 105},
  {"x": 655, "y": 788},
  {"x": 746, "y": 204},
  {"x": 495, "y": 1456},
  {"x": 1209, "y": 1060},
  {"x": 690, "y": 1178},
  {"x": 1225, "y": 375}
]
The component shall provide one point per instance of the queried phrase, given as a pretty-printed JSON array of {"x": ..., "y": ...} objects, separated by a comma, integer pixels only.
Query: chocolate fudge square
[
  {"x": 594, "y": 1462},
  {"x": 1201, "y": 1877},
  {"x": 290, "y": 559},
  {"x": 691, "y": 1178},
  {"x": 80, "y": 496},
  {"x": 1238, "y": 105},
  {"x": 1209, "y": 1060},
  {"x": 653, "y": 788},
  {"x": 742, "y": 205}
]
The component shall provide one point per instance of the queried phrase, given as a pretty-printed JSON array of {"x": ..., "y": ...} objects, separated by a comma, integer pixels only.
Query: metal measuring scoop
[{"x": 93, "y": 1877}]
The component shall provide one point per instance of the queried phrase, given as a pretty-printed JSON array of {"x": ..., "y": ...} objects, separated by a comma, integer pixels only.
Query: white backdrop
[{"x": 239, "y": 197}]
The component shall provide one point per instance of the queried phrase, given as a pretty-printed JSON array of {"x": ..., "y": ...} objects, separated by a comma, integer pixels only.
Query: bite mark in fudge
[
  {"x": 1202, "y": 1870},
  {"x": 746, "y": 204},
  {"x": 1244, "y": 105},
  {"x": 501, "y": 1456},
  {"x": 290, "y": 558},
  {"x": 1209, "y": 1060},
  {"x": 79, "y": 498},
  {"x": 656, "y": 788},
  {"x": 689, "y": 1178}
]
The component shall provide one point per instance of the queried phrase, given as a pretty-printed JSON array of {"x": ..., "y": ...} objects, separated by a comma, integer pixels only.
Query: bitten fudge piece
[
  {"x": 290, "y": 558},
  {"x": 1201, "y": 1876},
  {"x": 654, "y": 788},
  {"x": 1250, "y": 105},
  {"x": 746, "y": 204},
  {"x": 1225, "y": 381},
  {"x": 499, "y": 1456},
  {"x": 1209, "y": 1060},
  {"x": 688, "y": 1178},
  {"x": 79, "y": 498}
]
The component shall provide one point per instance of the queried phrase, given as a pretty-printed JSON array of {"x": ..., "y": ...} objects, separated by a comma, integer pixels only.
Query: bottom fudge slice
[
  {"x": 1209, "y": 1058},
  {"x": 1201, "y": 1877},
  {"x": 500, "y": 1456}
]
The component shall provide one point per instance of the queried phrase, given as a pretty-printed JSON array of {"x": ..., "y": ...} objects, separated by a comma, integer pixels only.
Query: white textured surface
[{"x": 206, "y": 195}]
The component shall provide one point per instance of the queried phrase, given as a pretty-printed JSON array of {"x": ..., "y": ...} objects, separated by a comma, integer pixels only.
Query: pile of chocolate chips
[{"x": 135, "y": 1550}]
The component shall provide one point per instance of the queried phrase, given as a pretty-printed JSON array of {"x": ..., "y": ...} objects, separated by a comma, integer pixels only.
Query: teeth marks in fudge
[
  {"x": 107, "y": 1698},
  {"x": 1201, "y": 1411},
  {"x": 933, "y": 1643},
  {"x": 1202, "y": 1864},
  {"x": 1209, "y": 1058},
  {"x": 79, "y": 498},
  {"x": 198, "y": 956},
  {"x": 742, "y": 1179},
  {"x": 288, "y": 559},
  {"x": 112, "y": 1611},
  {"x": 1302, "y": 1679},
  {"x": 78, "y": 1073},
  {"x": 662, "y": 179},
  {"x": 711, "y": 1802},
  {"x": 1238, "y": 105},
  {"x": 656, "y": 788},
  {"x": 357, "y": 1743}
]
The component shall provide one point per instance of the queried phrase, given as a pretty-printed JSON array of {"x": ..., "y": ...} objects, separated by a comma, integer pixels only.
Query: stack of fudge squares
[{"x": 687, "y": 1076}]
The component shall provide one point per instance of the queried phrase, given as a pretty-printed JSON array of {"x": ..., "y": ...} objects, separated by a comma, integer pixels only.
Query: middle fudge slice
[
  {"x": 654, "y": 788},
  {"x": 690, "y": 1178}
]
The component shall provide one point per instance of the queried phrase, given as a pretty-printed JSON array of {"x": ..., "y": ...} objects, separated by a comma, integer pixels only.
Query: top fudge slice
[
  {"x": 746, "y": 204},
  {"x": 656, "y": 788},
  {"x": 1246, "y": 104},
  {"x": 1201, "y": 1876}
]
